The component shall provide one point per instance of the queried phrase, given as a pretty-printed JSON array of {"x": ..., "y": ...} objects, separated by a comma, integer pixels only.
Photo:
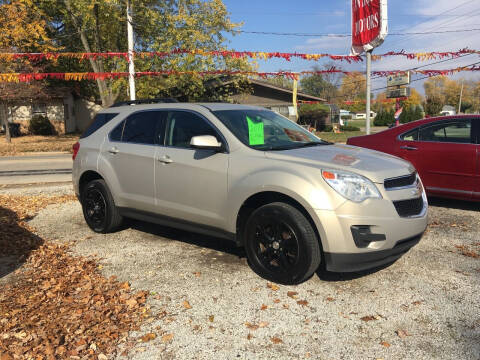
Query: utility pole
[
  {"x": 460, "y": 102},
  {"x": 369, "y": 87},
  {"x": 131, "y": 65}
]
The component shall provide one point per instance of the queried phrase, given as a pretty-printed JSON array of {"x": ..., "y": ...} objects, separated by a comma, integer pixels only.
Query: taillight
[{"x": 75, "y": 148}]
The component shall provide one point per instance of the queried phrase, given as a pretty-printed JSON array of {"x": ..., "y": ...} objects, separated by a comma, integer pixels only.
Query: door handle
[
  {"x": 406, "y": 147},
  {"x": 165, "y": 159},
  {"x": 113, "y": 150}
]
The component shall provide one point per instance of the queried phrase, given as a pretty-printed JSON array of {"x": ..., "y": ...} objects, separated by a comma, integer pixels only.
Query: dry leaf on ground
[
  {"x": 402, "y": 333},
  {"x": 276, "y": 340},
  {"x": 292, "y": 294},
  {"x": 384, "y": 343},
  {"x": 186, "y": 304},
  {"x": 89, "y": 308},
  {"x": 167, "y": 338},
  {"x": 273, "y": 286},
  {"x": 302, "y": 302}
]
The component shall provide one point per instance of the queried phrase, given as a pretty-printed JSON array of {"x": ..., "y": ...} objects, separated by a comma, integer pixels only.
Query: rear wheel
[
  {"x": 281, "y": 244},
  {"x": 98, "y": 207}
]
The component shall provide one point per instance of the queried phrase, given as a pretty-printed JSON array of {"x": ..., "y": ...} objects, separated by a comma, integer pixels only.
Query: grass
[
  {"x": 339, "y": 137},
  {"x": 33, "y": 143},
  {"x": 358, "y": 123}
]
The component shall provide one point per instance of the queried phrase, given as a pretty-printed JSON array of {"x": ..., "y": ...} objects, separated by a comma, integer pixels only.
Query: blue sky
[{"x": 333, "y": 16}]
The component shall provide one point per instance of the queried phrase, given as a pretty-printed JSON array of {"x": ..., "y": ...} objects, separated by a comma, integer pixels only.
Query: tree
[
  {"x": 321, "y": 85},
  {"x": 22, "y": 28},
  {"x": 354, "y": 87},
  {"x": 414, "y": 99},
  {"x": 96, "y": 26},
  {"x": 433, "y": 106}
]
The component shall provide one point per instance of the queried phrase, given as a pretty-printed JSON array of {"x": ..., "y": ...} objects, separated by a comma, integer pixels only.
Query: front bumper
[{"x": 344, "y": 262}]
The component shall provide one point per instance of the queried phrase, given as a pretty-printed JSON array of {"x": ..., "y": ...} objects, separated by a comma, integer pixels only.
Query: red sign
[{"x": 369, "y": 24}]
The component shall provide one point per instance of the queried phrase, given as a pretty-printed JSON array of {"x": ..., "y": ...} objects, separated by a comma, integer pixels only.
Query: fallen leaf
[
  {"x": 197, "y": 274},
  {"x": 386, "y": 344},
  {"x": 368, "y": 318},
  {"x": 302, "y": 302},
  {"x": 263, "y": 324},
  {"x": 167, "y": 338},
  {"x": 308, "y": 355},
  {"x": 330, "y": 298},
  {"x": 251, "y": 326},
  {"x": 292, "y": 294},
  {"x": 276, "y": 340},
  {"x": 276, "y": 301},
  {"x": 186, "y": 304},
  {"x": 264, "y": 307},
  {"x": 402, "y": 333},
  {"x": 249, "y": 336},
  {"x": 211, "y": 318},
  {"x": 286, "y": 306},
  {"x": 273, "y": 286},
  {"x": 418, "y": 302},
  {"x": 148, "y": 337}
]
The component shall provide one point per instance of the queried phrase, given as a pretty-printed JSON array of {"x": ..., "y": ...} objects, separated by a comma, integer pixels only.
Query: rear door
[
  {"x": 191, "y": 184},
  {"x": 130, "y": 149},
  {"x": 445, "y": 155}
]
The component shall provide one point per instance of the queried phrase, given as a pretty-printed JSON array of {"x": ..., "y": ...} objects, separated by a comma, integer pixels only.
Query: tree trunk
[
  {"x": 105, "y": 91},
  {"x": 4, "y": 120}
]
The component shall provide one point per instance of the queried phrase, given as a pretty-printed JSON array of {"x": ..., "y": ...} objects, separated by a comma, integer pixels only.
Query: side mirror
[{"x": 206, "y": 142}]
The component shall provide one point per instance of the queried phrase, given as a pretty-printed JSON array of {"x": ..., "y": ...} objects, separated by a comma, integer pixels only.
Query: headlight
[{"x": 351, "y": 186}]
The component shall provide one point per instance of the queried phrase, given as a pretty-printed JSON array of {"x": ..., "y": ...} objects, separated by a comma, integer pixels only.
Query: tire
[
  {"x": 99, "y": 210},
  {"x": 281, "y": 244}
]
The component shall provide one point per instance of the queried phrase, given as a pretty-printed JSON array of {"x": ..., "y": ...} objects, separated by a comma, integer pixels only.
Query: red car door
[{"x": 445, "y": 155}]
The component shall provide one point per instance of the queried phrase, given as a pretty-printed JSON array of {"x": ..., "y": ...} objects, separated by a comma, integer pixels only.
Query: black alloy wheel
[
  {"x": 95, "y": 207},
  {"x": 98, "y": 207},
  {"x": 281, "y": 244}
]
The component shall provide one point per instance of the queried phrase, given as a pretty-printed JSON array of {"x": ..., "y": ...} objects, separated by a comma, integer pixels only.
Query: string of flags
[
  {"x": 262, "y": 55},
  {"x": 79, "y": 76}
]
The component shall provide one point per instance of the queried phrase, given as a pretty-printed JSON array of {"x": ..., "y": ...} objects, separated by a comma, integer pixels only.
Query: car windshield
[{"x": 266, "y": 130}]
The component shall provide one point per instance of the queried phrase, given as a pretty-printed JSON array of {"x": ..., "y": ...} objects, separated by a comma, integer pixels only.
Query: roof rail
[{"x": 145, "y": 101}]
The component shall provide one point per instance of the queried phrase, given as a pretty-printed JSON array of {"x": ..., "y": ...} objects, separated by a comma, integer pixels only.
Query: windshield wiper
[{"x": 314, "y": 143}]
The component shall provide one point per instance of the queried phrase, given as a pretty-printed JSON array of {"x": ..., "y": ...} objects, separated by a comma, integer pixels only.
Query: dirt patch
[{"x": 32, "y": 143}]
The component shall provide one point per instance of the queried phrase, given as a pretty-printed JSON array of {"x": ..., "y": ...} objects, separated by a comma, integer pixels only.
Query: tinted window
[
  {"x": 98, "y": 121},
  {"x": 144, "y": 127},
  {"x": 410, "y": 136},
  {"x": 116, "y": 134},
  {"x": 456, "y": 132},
  {"x": 182, "y": 126}
]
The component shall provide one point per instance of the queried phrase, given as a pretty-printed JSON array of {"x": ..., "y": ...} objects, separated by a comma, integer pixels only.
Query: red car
[{"x": 444, "y": 150}]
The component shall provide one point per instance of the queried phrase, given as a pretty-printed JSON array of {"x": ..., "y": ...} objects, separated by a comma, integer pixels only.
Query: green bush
[
  {"x": 384, "y": 118},
  {"x": 349, "y": 128},
  {"x": 40, "y": 125}
]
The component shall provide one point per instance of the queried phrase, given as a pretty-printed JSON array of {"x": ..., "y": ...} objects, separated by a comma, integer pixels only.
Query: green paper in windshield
[{"x": 255, "y": 132}]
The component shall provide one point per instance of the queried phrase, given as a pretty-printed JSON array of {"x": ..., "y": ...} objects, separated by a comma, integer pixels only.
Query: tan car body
[{"x": 210, "y": 191}]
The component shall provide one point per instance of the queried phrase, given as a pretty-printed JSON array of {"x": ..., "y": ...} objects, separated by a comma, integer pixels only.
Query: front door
[
  {"x": 130, "y": 149},
  {"x": 191, "y": 184},
  {"x": 444, "y": 153}
]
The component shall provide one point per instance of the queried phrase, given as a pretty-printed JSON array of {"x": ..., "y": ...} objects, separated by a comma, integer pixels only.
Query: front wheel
[
  {"x": 281, "y": 244},
  {"x": 99, "y": 209}
]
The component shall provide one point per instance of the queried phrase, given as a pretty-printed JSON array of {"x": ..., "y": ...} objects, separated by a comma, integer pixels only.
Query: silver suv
[{"x": 250, "y": 175}]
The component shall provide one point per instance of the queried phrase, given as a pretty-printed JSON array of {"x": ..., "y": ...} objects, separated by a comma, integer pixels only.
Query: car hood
[{"x": 374, "y": 165}]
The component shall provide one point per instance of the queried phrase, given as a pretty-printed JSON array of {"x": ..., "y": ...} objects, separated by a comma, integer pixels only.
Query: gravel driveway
[{"x": 206, "y": 303}]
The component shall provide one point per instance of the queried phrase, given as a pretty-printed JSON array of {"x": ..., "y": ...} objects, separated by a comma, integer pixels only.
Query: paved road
[{"x": 44, "y": 168}]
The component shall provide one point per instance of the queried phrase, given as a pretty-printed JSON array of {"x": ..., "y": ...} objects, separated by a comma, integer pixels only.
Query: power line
[{"x": 349, "y": 35}]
